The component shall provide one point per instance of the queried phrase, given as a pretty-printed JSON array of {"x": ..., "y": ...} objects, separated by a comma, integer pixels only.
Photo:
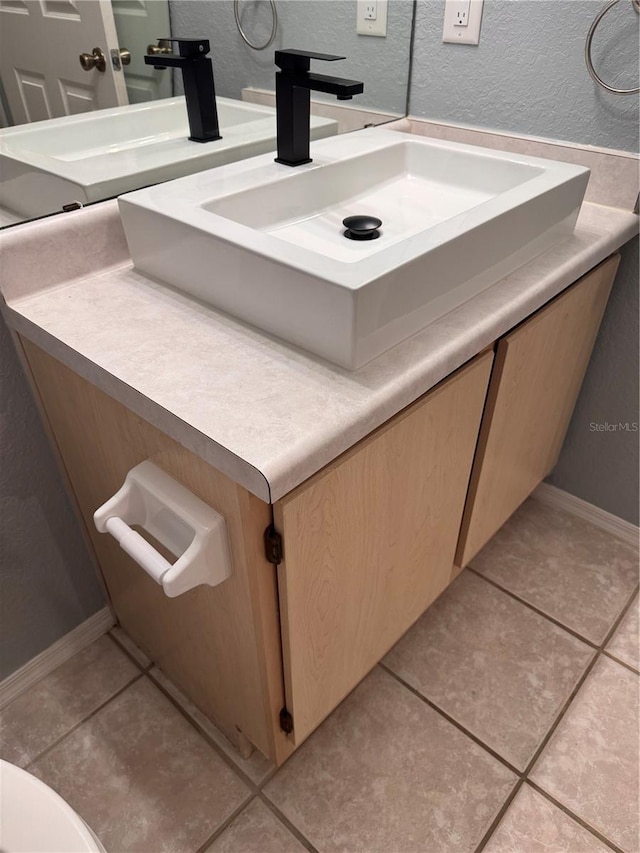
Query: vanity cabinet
[
  {"x": 537, "y": 374},
  {"x": 329, "y": 577},
  {"x": 367, "y": 544}
]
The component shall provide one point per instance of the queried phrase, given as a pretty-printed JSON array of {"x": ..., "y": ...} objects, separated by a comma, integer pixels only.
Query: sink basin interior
[
  {"x": 96, "y": 155},
  {"x": 408, "y": 186},
  {"x": 123, "y": 130}
]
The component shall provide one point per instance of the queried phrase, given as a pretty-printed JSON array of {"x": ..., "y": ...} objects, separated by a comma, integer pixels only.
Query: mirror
[{"x": 83, "y": 118}]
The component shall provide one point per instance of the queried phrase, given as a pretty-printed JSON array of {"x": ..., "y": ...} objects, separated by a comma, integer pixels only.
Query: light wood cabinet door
[
  {"x": 537, "y": 374},
  {"x": 369, "y": 543},
  {"x": 220, "y": 645}
]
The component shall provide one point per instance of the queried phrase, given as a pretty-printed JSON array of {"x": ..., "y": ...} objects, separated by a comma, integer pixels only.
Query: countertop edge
[
  {"x": 271, "y": 474},
  {"x": 224, "y": 460}
]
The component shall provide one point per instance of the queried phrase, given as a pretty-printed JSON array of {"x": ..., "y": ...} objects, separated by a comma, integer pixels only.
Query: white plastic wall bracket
[{"x": 190, "y": 529}]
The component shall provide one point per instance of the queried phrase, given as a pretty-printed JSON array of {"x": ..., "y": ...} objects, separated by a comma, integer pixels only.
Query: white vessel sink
[
  {"x": 101, "y": 154},
  {"x": 265, "y": 242}
]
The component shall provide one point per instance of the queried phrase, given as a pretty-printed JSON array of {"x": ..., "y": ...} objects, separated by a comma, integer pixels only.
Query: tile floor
[{"x": 506, "y": 720}]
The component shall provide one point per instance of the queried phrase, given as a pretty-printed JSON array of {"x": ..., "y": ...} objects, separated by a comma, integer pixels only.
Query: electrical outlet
[
  {"x": 462, "y": 19},
  {"x": 371, "y": 17}
]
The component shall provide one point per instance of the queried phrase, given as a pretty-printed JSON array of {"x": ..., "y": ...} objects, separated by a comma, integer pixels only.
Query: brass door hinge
[{"x": 273, "y": 545}]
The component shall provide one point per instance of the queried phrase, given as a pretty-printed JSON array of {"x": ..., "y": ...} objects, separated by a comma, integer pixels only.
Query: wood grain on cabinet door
[
  {"x": 369, "y": 543},
  {"x": 220, "y": 645},
  {"x": 537, "y": 374}
]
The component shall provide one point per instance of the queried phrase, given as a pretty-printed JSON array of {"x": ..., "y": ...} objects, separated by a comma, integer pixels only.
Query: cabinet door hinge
[
  {"x": 273, "y": 545},
  {"x": 286, "y": 721}
]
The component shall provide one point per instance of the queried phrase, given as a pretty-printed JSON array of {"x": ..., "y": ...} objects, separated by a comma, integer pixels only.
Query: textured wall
[
  {"x": 602, "y": 466},
  {"x": 327, "y": 26},
  {"x": 48, "y": 584},
  {"x": 528, "y": 74}
]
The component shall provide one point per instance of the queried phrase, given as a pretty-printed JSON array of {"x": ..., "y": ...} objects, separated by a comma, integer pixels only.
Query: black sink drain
[{"x": 362, "y": 227}]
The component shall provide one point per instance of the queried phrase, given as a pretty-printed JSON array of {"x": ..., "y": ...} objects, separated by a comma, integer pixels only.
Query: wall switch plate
[
  {"x": 371, "y": 17},
  {"x": 462, "y": 19}
]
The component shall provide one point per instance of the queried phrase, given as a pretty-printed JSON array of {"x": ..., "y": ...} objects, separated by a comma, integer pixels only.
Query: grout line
[
  {"x": 269, "y": 776},
  {"x": 621, "y": 662},
  {"x": 453, "y": 722},
  {"x": 128, "y": 653},
  {"x": 535, "y": 609},
  {"x": 498, "y": 818},
  {"x": 560, "y": 715},
  {"x": 620, "y": 618},
  {"x": 599, "y": 651},
  {"x": 254, "y": 787},
  {"x": 225, "y": 824},
  {"x": 524, "y": 775},
  {"x": 574, "y": 817},
  {"x": 599, "y": 647},
  {"x": 545, "y": 741},
  {"x": 81, "y": 722},
  {"x": 293, "y": 829}
]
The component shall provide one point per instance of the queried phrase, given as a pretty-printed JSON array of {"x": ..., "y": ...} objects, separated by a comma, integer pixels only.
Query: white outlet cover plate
[
  {"x": 462, "y": 35},
  {"x": 368, "y": 27}
]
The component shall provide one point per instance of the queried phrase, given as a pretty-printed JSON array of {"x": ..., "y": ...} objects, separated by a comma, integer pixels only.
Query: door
[
  {"x": 369, "y": 543},
  {"x": 40, "y": 45},
  {"x": 536, "y": 378},
  {"x": 140, "y": 23}
]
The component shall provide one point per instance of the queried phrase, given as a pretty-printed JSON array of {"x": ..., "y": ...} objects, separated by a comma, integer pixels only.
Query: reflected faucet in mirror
[
  {"x": 73, "y": 135},
  {"x": 199, "y": 87},
  {"x": 294, "y": 84}
]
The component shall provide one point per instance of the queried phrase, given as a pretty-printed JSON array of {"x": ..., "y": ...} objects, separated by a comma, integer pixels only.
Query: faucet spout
[
  {"x": 294, "y": 83},
  {"x": 342, "y": 88},
  {"x": 199, "y": 87}
]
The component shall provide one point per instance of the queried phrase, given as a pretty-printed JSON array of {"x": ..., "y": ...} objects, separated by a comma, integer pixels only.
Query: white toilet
[{"x": 34, "y": 819}]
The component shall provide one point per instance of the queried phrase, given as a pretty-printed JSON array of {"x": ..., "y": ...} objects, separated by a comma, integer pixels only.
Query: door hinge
[
  {"x": 273, "y": 545},
  {"x": 286, "y": 721}
]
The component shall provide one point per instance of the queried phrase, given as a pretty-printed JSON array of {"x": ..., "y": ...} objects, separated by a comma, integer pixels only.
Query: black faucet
[
  {"x": 294, "y": 83},
  {"x": 199, "y": 88}
]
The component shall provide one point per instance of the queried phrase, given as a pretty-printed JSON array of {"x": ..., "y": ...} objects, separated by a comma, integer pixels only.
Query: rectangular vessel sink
[
  {"x": 101, "y": 154},
  {"x": 265, "y": 242}
]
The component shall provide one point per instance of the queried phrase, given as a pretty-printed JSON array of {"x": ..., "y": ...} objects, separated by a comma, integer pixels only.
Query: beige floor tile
[
  {"x": 625, "y": 643},
  {"x": 123, "y": 639},
  {"x": 142, "y": 777},
  {"x": 534, "y": 825},
  {"x": 44, "y": 713},
  {"x": 387, "y": 773},
  {"x": 498, "y": 668},
  {"x": 591, "y": 762},
  {"x": 257, "y": 767},
  {"x": 256, "y": 830},
  {"x": 578, "y": 574}
]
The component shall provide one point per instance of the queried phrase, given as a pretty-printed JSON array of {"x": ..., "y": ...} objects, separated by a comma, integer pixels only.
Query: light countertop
[{"x": 265, "y": 414}]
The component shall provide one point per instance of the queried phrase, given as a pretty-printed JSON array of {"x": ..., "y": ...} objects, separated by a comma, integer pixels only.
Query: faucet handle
[{"x": 300, "y": 60}]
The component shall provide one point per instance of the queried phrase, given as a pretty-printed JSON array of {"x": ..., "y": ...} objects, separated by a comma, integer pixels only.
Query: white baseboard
[
  {"x": 51, "y": 658},
  {"x": 618, "y": 527}
]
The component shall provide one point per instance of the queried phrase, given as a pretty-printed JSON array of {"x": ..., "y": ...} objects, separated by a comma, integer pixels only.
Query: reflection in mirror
[{"x": 84, "y": 117}]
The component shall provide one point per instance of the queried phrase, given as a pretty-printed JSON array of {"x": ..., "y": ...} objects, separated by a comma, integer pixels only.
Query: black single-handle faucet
[
  {"x": 294, "y": 83},
  {"x": 199, "y": 88}
]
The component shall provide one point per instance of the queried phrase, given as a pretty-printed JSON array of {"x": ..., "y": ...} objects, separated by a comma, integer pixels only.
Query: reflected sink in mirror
[
  {"x": 265, "y": 242},
  {"x": 101, "y": 154}
]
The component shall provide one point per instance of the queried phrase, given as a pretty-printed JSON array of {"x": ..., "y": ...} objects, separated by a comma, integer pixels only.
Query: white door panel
[
  {"x": 40, "y": 45},
  {"x": 140, "y": 23}
]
